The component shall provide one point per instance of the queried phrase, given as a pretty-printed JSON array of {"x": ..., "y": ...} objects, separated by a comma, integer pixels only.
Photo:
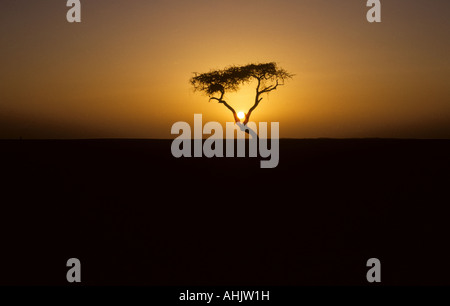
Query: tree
[{"x": 216, "y": 83}]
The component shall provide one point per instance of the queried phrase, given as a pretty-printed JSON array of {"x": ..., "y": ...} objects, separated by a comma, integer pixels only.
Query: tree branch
[
  {"x": 236, "y": 119},
  {"x": 220, "y": 100},
  {"x": 270, "y": 88},
  {"x": 258, "y": 98},
  {"x": 214, "y": 98}
]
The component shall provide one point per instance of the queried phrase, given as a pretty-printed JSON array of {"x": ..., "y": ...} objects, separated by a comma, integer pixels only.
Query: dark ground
[{"x": 135, "y": 215}]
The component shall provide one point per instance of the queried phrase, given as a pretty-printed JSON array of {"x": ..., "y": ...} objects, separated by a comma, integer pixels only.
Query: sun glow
[{"x": 241, "y": 115}]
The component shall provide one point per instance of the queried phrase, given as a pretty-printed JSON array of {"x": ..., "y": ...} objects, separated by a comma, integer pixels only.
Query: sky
[{"x": 124, "y": 71}]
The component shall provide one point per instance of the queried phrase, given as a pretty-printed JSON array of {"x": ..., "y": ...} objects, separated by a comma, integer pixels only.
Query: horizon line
[{"x": 283, "y": 138}]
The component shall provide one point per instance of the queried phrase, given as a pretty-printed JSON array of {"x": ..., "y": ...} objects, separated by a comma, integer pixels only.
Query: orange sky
[{"x": 124, "y": 70}]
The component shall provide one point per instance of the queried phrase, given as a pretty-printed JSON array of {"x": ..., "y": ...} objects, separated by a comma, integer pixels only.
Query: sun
[{"x": 241, "y": 115}]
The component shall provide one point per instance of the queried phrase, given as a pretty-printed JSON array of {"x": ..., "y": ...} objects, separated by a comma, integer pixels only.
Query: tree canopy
[{"x": 218, "y": 82}]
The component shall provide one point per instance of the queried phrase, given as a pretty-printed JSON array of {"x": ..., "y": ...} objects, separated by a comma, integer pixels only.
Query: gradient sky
[{"x": 124, "y": 70}]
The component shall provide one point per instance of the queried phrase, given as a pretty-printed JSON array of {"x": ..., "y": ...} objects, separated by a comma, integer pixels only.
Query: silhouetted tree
[{"x": 216, "y": 83}]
